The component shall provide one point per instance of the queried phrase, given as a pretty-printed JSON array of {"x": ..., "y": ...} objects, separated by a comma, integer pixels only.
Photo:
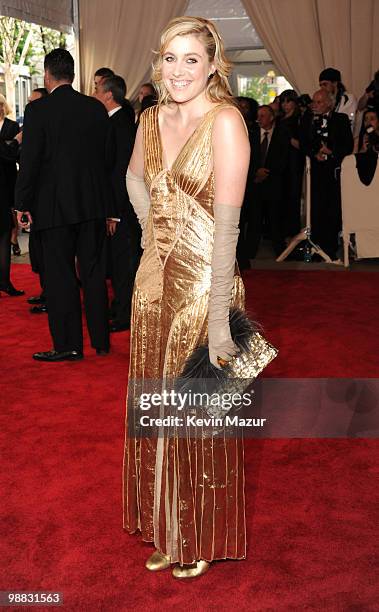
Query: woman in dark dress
[
  {"x": 292, "y": 188},
  {"x": 9, "y": 148}
]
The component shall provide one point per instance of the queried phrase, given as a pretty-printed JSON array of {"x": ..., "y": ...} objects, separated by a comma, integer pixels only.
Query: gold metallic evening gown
[{"x": 185, "y": 495}]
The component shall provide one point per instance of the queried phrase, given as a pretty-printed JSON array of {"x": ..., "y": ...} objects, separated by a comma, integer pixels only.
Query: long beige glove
[
  {"x": 139, "y": 197},
  {"x": 223, "y": 265}
]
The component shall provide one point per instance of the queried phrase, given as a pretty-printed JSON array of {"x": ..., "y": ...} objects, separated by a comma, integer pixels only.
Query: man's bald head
[{"x": 323, "y": 102}]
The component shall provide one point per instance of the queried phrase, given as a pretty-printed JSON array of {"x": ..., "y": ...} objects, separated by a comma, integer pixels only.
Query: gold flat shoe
[
  {"x": 157, "y": 561},
  {"x": 191, "y": 571}
]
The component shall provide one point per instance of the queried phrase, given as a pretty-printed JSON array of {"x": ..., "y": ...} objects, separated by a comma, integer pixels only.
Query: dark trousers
[
  {"x": 5, "y": 247},
  {"x": 260, "y": 206},
  {"x": 125, "y": 254},
  {"x": 86, "y": 241},
  {"x": 326, "y": 219},
  {"x": 242, "y": 244},
  {"x": 36, "y": 257},
  {"x": 292, "y": 189}
]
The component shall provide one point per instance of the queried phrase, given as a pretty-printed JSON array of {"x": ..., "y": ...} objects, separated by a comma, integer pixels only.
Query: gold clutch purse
[{"x": 255, "y": 353}]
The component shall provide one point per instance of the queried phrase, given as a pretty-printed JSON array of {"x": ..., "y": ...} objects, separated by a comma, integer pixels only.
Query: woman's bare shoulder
[{"x": 229, "y": 119}]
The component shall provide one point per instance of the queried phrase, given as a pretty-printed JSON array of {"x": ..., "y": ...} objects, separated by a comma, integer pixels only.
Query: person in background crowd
[
  {"x": 146, "y": 89},
  {"x": 293, "y": 174},
  {"x": 37, "y": 93},
  {"x": 147, "y": 102},
  {"x": 104, "y": 73},
  {"x": 330, "y": 80},
  {"x": 10, "y": 139},
  {"x": 249, "y": 109},
  {"x": 147, "y": 96},
  {"x": 304, "y": 102},
  {"x": 275, "y": 105},
  {"x": 8, "y": 130},
  {"x": 369, "y": 138},
  {"x": 370, "y": 98},
  {"x": 269, "y": 151},
  {"x": 326, "y": 138},
  {"x": 63, "y": 187},
  {"x": 35, "y": 244},
  {"x": 100, "y": 74},
  {"x": 124, "y": 244},
  {"x": 368, "y": 146}
]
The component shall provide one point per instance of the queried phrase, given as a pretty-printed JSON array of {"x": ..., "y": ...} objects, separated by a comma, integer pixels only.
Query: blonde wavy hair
[
  {"x": 3, "y": 102},
  {"x": 218, "y": 88}
]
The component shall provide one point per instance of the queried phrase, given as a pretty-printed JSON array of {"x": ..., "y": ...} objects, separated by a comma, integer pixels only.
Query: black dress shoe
[
  {"x": 10, "y": 290},
  {"x": 58, "y": 356},
  {"x": 16, "y": 248},
  {"x": 102, "y": 352},
  {"x": 37, "y": 299},
  {"x": 39, "y": 309},
  {"x": 114, "y": 326}
]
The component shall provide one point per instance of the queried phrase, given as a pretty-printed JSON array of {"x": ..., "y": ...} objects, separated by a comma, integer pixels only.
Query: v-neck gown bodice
[{"x": 186, "y": 495}]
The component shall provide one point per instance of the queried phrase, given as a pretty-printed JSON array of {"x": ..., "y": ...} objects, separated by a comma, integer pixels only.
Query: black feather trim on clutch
[{"x": 254, "y": 353}]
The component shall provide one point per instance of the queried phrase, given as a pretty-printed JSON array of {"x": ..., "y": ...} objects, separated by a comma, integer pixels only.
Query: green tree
[
  {"x": 15, "y": 37},
  {"x": 21, "y": 44},
  {"x": 51, "y": 39},
  {"x": 257, "y": 88}
]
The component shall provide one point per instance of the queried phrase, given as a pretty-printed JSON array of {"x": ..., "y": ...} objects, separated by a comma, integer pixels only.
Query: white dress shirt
[
  {"x": 114, "y": 110},
  {"x": 110, "y": 113},
  {"x": 269, "y": 135},
  {"x": 348, "y": 105}
]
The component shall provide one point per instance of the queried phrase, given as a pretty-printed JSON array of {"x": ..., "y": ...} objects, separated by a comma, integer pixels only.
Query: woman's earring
[{"x": 210, "y": 75}]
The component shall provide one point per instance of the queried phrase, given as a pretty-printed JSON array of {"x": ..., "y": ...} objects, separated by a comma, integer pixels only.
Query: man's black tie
[{"x": 264, "y": 147}]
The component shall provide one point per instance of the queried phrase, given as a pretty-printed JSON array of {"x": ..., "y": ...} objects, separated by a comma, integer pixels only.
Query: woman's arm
[
  {"x": 231, "y": 154},
  {"x": 135, "y": 183},
  {"x": 136, "y": 164}
]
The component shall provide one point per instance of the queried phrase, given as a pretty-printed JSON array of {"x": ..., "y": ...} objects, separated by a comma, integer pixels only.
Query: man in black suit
[
  {"x": 63, "y": 185},
  {"x": 35, "y": 245},
  {"x": 269, "y": 150},
  {"x": 124, "y": 244},
  {"x": 326, "y": 138}
]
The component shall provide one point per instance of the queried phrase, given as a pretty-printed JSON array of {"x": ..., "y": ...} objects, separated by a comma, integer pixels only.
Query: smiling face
[{"x": 186, "y": 68}]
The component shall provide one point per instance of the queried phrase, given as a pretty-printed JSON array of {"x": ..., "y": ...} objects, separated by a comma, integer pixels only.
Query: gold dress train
[{"x": 185, "y": 495}]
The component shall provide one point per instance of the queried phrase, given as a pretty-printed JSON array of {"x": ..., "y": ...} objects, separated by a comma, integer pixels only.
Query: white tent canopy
[
  {"x": 55, "y": 14},
  {"x": 301, "y": 36},
  {"x": 231, "y": 20}
]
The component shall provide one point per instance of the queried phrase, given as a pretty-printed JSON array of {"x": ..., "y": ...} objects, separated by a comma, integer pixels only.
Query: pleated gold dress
[{"x": 185, "y": 495}]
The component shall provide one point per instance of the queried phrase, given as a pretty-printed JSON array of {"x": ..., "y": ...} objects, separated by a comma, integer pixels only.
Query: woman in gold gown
[{"x": 186, "y": 495}]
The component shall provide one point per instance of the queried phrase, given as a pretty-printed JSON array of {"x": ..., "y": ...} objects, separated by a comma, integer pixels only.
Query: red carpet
[{"x": 312, "y": 505}]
